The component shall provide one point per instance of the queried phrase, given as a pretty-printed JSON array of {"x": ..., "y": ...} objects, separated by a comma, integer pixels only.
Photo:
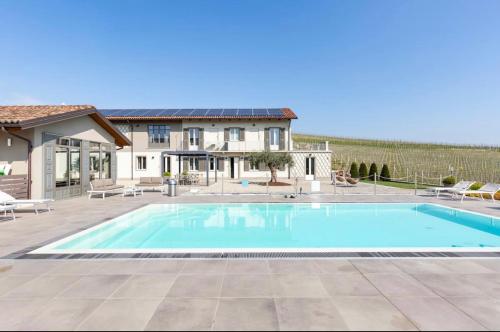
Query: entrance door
[
  {"x": 232, "y": 167},
  {"x": 310, "y": 166}
]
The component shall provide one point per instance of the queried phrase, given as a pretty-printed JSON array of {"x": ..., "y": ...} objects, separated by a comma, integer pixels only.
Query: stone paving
[{"x": 265, "y": 294}]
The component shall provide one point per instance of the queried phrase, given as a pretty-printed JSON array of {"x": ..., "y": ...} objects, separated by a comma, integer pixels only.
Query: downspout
[{"x": 30, "y": 149}]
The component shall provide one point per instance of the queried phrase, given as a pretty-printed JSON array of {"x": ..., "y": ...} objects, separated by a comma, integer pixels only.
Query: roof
[
  {"x": 199, "y": 113},
  {"x": 30, "y": 116}
]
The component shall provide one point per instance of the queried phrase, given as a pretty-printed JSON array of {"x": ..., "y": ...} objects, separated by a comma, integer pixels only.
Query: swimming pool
[{"x": 283, "y": 227}]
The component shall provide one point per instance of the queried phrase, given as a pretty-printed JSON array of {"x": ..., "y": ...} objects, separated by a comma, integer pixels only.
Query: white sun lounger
[
  {"x": 8, "y": 208},
  {"x": 460, "y": 186},
  {"x": 6, "y": 199},
  {"x": 488, "y": 189}
]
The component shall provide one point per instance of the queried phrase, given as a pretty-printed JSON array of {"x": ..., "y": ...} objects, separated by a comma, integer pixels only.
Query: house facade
[
  {"x": 214, "y": 143},
  {"x": 55, "y": 151}
]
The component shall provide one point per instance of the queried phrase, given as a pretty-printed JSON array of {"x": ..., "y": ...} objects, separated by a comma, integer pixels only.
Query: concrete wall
[{"x": 17, "y": 154}]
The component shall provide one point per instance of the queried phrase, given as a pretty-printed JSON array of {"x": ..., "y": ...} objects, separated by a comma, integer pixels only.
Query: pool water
[{"x": 295, "y": 226}]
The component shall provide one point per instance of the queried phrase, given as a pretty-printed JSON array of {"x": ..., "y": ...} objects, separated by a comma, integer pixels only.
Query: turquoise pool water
[{"x": 287, "y": 226}]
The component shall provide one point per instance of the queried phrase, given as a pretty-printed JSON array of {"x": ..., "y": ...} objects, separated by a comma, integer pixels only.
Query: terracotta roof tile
[{"x": 18, "y": 114}]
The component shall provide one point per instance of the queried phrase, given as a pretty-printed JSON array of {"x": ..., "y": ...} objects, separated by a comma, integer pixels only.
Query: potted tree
[{"x": 273, "y": 160}]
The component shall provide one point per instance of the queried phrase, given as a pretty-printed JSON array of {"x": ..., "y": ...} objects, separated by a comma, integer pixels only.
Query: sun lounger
[
  {"x": 103, "y": 187},
  {"x": 8, "y": 208},
  {"x": 151, "y": 183},
  {"x": 6, "y": 199},
  {"x": 488, "y": 189},
  {"x": 460, "y": 186}
]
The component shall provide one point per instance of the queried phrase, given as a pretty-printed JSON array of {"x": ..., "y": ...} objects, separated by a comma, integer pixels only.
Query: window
[
  {"x": 274, "y": 136},
  {"x": 159, "y": 134},
  {"x": 106, "y": 163},
  {"x": 62, "y": 173},
  {"x": 74, "y": 167},
  {"x": 95, "y": 161},
  {"x": 194, "y": 164},
  {"x": 212, "y": 164},
  {"x": 141, "y": 163},
  {"x": 194, "y": 136},
  {"x": 234, "y": 134},
  {"x": 123, "y": 128}
]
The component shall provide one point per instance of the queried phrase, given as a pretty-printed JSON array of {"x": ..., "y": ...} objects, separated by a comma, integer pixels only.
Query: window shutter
[
  {"x": 226, "y": 134},
  {"x": 114, "y": 166},
  {"x": 185, "y": 164},
  {"x": 220, "y": 164},
  {"x": 246, "y": 165},
  {"x": 242, "y": 134},
  {"x": 266, "y": 139},
  {"x": 282, "y": 138},
  {"x": 202, "y": 139},
  {"x": 262, "y": 166},
  {"x": 85, "y": 178},
  {"x": 185, "y": 141}
]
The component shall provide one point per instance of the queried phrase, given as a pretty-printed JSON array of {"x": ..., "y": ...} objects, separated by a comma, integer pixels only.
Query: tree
[
  {"x": 373, "y": 171},
  {"x": 273, "y": 160},
  {"x": 385, "y": 174},
  {"x": 363, "y": 170},
  {"x": 354, "y": 170}
]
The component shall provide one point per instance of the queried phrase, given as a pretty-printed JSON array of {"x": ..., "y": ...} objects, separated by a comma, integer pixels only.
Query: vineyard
[{"x": 429, "y": 162}]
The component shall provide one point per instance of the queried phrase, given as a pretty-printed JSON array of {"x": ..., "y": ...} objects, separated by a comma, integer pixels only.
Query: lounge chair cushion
[{"x": 104, "y": 184}]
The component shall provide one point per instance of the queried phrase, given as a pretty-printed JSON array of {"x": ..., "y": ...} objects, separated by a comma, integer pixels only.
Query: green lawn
[{"x": 397, "y": 184}]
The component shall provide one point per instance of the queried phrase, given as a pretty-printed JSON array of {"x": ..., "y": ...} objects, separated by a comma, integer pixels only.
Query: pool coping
[{"x": 40, "y": 251}]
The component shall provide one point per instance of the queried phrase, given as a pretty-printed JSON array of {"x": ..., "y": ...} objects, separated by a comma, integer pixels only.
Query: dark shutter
[
  {"x": 202, "y": 163},
  {"x": 49, "y": 170},
  {"x": 226, "y": 134},
  {"x": 185, "y": 165},
  {"x": 185, "y": 141},
  {"x": 242, "y": 134},
  {"x": 246, "y": 165},
  {"x": 282, "y": 138},
  {"x": 266, "y": 139},
  {"x": 202, "y": 139},
  {"x": 85, "y": 171},
  {"x": 221, "y": 164}
]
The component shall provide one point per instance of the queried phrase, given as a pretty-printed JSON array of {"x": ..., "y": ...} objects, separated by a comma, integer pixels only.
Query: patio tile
[
  {"x": 296, "y": 314},
  {"x": 121, "y": 315},
  {"x": 483, "y": 310},
  {"x": 246, "y": 315},
  {"x": 463, "y": 266},
  {"x": 62, "y": 315},
  {"x": 375, "y": 266},
  {"x": 449, "y": 284},
  {"x": 204, "y": 267},
  {"x": 44, "y": 286},
  {"x": 488, "y": 283},
  {"x": 257, "y": 285},
  {"x": 435, "y": 314},
  {"x": 9, "y": 283},
  {"x": 95, "y": 287},
  {"x": 115, "y": 267},
  {"x": 293, "y": 267},
  {"x": 145, "y": 286},
  {"x": 296, "y": 285},
  {"x": 421, "y": 266},
  {"x": 196, "y": 286},
  {"x": 16, "y": 312},
  {"x": 176, "y": 314},
  {"x": 74, "y": 267},
  {"x": 160, "y": 266},
  {"x": 247, "y": 267},
  {"x": 22, "y": 267},
  {"x": 490, "y": 264},
  {"x": 348, "y": 284},
  {"x": 398, "y": 284},
  {"x": 371, "y": 313},
  {"x": 334, "y": 266}
]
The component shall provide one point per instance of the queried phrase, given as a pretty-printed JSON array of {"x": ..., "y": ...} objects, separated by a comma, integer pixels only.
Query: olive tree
[{"x": 273, "y": 160}]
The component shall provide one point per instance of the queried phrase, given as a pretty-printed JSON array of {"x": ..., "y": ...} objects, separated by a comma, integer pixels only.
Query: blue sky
[{"x": 410, "y": 70}]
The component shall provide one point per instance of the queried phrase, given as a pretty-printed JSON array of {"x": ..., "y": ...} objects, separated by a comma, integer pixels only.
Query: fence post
[
  {"x": 334, "y": 178},
  {"x": 440, "y": 180},
  {"x": 267, "y": 186},
  {"x": 375, "y": 184},
  {"x": 422, "y": 177},
  {"x": 222, "y": 193},
  {"x": 416, "y": 183}
]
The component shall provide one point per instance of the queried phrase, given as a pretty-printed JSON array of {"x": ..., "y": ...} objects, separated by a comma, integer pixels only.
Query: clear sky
[{"x": 411, "y": 70}]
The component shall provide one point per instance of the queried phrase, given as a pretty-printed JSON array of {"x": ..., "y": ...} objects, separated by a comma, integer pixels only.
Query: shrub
[
  {"x": 373, "y": 171},
  {"x": 354, "y": 170},
  {"x": 385, "y": 174},
  {"x": 167, "y": 174},
  {"x": 449, "y": 181},
  {"x": 363, "y": 170},
  {"x": 476, "y": 186}
]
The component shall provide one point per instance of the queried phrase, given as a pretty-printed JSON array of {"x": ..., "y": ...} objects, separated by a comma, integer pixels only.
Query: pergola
[{"x": 199, "y": 154}]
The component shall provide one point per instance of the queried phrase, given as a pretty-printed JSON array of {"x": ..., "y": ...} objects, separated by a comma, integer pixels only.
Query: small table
[{"x": 132, "y": 191}]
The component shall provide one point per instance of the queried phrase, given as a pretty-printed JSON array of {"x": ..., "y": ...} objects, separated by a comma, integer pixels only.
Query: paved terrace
[{"x": 277, "y": 294}]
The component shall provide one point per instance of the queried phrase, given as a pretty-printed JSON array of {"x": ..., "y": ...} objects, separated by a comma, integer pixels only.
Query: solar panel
[
  {"x": 245, "y": 112},
  {"x": 260, "y": 112},
  {"x": 275, "y": 112},
  {"x": 214, "y": 112},
  {"x": 230, "y": 112},
  {"x": 167, "y": 112},
  {"x": 184, "y": 112},
  {"x": 199, "y": 112}
]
